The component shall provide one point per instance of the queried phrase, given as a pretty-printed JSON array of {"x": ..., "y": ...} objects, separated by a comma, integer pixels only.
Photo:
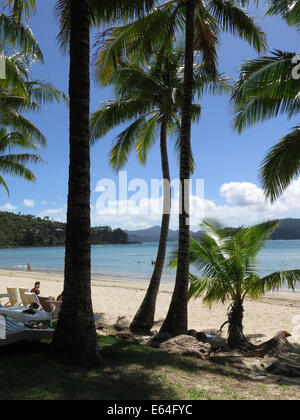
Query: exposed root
[{"x": 274, "y": 347}]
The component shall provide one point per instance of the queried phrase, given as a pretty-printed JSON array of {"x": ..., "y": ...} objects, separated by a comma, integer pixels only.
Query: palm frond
[
  {"x": 18, "y": 8},
  {"x": 130, "y": 79},
  {"x": 19, "y": 36},
  {"x": 17, "y": 122},
  {"x": 4, "y": 184},
  {"x": 45, "y": 93},
  {"x": 113, "y": 113},
  {"x": 265, "y": 89},
  {"x": 236, "y": 21},
  {"x": 125, "y": 143},
  {"x": 281, "y": 165},
  {"x": 288, "y": 9},
  {"x": 104, "y": 12},
  {"x": 206, "y": 39},
  {"x": 13, "y": 140},
  {"x": 138, "y": 39},
  {"x": 275, "y": 281},
  {"x": 146, "y": 137}
]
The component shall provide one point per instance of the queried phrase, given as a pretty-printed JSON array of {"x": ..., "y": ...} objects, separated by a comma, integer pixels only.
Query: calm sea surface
[{"x": 132, "y": 262}]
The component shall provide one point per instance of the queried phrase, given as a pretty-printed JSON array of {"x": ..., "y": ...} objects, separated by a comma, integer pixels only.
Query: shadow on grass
[
  {"x": 131, "y": 372},
  {"x": 122, "y": 354},
  {"x": 28, "y": 373}
]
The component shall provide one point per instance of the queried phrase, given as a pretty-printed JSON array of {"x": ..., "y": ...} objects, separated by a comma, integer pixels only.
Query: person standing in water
[{"x": 28, "y": 267}]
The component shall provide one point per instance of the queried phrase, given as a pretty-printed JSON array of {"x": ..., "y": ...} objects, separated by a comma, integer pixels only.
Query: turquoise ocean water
[{"x": 133, "y": 262}]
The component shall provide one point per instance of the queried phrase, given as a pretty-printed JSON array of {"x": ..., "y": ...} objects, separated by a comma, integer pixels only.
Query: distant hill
[
  {"x": 289, "y": 229},
  {"x": 152, "y": 235},
  {"x": 18, "y": 230}
]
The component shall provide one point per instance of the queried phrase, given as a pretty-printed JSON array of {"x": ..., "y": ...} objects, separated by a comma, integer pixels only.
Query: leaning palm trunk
[
  {"x": 75, "y": 340},
  {"x": 144, "y": 318},
  {"x": 236, "y": 338},
  {"x": 176, "y": 322}
]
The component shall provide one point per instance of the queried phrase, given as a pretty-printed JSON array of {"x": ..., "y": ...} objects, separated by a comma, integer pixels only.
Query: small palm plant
[{"x": 227, "y": 259}]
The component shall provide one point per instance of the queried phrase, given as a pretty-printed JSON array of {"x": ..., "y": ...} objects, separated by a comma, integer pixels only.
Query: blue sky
[{"x": 227, "y": 162}]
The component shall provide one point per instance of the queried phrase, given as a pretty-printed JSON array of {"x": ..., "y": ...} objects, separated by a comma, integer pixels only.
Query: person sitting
[
  {"x": 36, "y": 289},
  {"x": 60, "y": 297}
]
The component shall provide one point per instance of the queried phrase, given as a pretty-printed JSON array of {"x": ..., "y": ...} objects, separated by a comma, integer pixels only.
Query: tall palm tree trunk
[
  {"x": 144, "y": 318},
  {"x": 75, "y": 340},
  {"x": 176, "y": 322},
  {"x": 236, "y": 336}
]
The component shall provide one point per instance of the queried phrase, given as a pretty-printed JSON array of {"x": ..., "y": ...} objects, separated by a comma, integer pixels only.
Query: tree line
[{"x": 18, "y": 230}]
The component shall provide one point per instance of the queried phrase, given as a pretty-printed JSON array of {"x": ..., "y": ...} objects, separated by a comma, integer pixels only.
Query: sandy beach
[{"x": 114, "y": 299}]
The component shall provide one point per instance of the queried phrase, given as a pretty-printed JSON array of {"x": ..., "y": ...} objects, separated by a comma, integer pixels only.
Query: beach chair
[
  {"x": 14, "y": 298},
  {"x": 57, "y": 309},
  {"x": 13, "y": 332},
  {"x": 22, "y": 291},
  {"x": 32, "y": 300},
  {"x": 44, "y": 301}
]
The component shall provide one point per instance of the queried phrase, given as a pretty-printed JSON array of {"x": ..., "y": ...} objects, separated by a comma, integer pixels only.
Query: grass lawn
[{"x": 132, "y": 372}]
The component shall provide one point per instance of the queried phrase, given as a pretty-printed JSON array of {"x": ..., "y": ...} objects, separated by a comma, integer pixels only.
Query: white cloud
[
  {"x": 244, "y": 203},
  {"x": 8, "y": 207},
  {"x": 58, "y": 214},
  {"x": 29, "y": 203},
  {"x": 55, "y": 211},
  {"x": 242, "y": 194}
]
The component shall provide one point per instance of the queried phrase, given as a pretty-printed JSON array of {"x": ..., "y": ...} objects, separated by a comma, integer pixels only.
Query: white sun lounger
[
  {"x": 57, "y": 305},
  {"x": 51, "y": 306},
  {"x": 22, "y": 292},
  {"x": 31, "y": 299},
  {"x": 15, "y": 332},
  {"x": 20, "y": 314},
  {"x": 14, "y": 300}
]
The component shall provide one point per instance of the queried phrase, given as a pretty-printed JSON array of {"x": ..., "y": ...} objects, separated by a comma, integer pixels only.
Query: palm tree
[
  {"x": 227, "y": 260},
  {"x": 18, "y": 93},
  {"x": 266, "y": 88},
  {"x": 75, "y": 338},
  {"x": 152, "y": 95},
  {"x": 201, "y": 23}
]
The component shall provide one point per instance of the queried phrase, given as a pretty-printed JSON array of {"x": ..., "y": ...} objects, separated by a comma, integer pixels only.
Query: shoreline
[
  {"x": 116, "y": 300},
  {"x": 130, "y": 278},
  {"x": 96, "y": 276}
]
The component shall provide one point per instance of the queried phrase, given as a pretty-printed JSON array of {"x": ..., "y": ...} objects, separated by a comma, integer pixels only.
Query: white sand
[{"x": 115, "y": 299}]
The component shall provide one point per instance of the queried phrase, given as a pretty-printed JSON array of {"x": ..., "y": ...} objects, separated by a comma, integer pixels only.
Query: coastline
[{"x": 117, "y": 299}]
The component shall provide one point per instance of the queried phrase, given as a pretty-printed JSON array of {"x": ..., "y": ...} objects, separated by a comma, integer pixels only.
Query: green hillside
[{"x": 17, "y": 230}]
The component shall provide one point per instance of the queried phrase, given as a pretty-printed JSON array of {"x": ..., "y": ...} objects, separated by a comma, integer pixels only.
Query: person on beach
[
  {"x": 36, "y": 289},
  {"x": 28, "y": 267},
  {"x": 60, "y": 297}
]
